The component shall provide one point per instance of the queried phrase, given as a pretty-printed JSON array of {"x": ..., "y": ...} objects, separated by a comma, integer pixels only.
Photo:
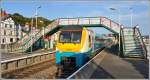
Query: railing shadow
[
  {"x": 100, "y": 73},
  {"x": 140, "y": 65}
]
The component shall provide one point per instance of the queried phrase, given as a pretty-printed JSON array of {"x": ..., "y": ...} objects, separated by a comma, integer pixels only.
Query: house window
[
  {"x": 5, "y": 25},
  {"x": 11, "y": 33},
  {"x": 17, "y": 39},
  {"x": 90, "y": 44},
  {"x": 4, "y": 32},
  {"x": 10, "y": 26},
  {"x": 3, "y": 40},
  {"x": 11, "y": 39}
]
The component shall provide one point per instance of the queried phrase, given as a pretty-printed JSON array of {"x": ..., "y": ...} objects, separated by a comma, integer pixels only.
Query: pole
[
  {"x": 31, "y": 34},
  {"x": 36, "y": 15},
  {"x": 119, "y": 30},
  {"x": 119, "y": 20},
  {"x": 0, "y": 31},
  {"x": 131, "y": 17}
]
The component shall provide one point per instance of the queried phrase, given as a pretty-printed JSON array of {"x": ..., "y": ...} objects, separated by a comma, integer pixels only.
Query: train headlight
[{"x": 60, "y": 52}]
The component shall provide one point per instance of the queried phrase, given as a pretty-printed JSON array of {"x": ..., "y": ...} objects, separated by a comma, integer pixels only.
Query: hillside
[{"x": 19, "y": 19}]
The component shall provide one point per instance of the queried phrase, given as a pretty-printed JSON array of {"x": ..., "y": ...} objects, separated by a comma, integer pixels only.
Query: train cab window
[
  {"x": 70, "y": 37},
  {"x": 76, "y": 37},
  {"x": 65, "y": 37}
]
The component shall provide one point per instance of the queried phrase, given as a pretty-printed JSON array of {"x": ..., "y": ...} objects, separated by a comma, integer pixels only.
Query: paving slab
[{"x": 107, "y": 65}]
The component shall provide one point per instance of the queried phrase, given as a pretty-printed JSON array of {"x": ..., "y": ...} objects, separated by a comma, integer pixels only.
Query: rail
[
  {"x": 24, "y": 61},
  {"x": 91, "y": 21},
  {"x": 138, "y": 35},
  {"x": 123, "y": 41},
  {"x": 113, "y": 26},
  {"x": 80, "y": 72}
]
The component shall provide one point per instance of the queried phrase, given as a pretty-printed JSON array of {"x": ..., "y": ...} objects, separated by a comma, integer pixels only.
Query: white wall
[{"x": 10, "y": 30}]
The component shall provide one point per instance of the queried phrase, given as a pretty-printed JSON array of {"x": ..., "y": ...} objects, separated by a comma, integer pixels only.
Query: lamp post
[
  {"x": 131, "y": 16},
  {"x": 36, "y": 15},
  {"x": 119, "y": 20},
  {"x": 31, "y": 32}
]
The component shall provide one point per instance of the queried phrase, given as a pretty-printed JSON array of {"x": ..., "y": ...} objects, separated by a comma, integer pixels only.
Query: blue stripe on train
[{"x": 80, "y": 57}]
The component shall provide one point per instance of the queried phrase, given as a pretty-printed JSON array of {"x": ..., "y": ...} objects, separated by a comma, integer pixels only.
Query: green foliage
[{"x": 19, "y": 19}]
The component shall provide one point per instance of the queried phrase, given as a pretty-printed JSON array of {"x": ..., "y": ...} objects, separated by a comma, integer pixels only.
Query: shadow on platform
[{"x": 113, "y": 66}]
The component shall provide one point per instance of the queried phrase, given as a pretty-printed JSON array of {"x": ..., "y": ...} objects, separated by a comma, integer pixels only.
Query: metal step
[
  {"x": 129, "y": 39},
  {"x": 129, "y": 50},
  {"x": 133, "y": 47},
  {"x": 132, "y": 41},
  {"x": 128, "y": 29},
  {"x": 134, "y": 55},
  {"x": 130, "y": 45},
  {"x": 128, "y": 36},
  {"x": 135, "y": 52},
  {"x": 128, "y": 33}
]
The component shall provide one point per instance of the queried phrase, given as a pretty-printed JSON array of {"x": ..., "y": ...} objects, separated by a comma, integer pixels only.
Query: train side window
[{"x": 90, "y": 41}]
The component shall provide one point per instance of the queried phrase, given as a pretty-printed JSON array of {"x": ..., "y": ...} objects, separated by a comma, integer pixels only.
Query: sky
[{"x": 63, "y": 9}]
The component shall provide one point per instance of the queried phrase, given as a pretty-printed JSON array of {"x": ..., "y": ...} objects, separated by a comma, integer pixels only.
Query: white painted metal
[
  {"x": 69, "y": 21},
  {"x": 91, "y": 21}
]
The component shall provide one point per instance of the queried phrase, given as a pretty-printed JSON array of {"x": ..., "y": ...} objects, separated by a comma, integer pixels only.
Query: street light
[
  {"x": 118, "y": 11},
  {"x": 31, "y": 32},
  {"x": 36, "y": 15},
  {"x": 131, "y": 15}
]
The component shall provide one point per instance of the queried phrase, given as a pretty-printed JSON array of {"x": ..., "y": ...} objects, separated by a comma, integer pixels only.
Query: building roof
[{"x": 4, "y": 17}]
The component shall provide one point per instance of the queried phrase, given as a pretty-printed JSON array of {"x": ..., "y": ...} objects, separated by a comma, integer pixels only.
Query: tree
[{"x": 19, "y": 19}]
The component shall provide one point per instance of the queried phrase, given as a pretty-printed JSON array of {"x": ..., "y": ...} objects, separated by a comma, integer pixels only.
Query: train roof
[{"x": 72, "y": 27}]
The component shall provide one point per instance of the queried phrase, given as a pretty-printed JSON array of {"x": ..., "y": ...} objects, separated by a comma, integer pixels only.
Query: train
[{"x": 75, "y": 46}]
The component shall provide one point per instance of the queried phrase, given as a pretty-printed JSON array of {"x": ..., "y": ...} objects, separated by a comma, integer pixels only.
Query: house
[{"x": 10, "y": 32}]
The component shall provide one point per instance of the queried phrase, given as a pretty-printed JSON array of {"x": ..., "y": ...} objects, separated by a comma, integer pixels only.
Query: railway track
[
  {"x": 31, "y": 71},
  {"x": 67, "y": 72},
  {"x": 44, "y": 70}
]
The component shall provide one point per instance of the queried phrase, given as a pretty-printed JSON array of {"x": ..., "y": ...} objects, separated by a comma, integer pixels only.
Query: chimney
[
  {"x": 1, "y": 12},
  {"x": 5, "y": 14}
]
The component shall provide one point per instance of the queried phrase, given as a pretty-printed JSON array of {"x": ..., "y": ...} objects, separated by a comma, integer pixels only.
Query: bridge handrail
[
  {"x": 138, "y": 35},
  {"x": 91, "y": 17},
  {"x": 101, "y": 20},
  {"x": 39, "y": 33},
  {"x": 123, "y": 44}
]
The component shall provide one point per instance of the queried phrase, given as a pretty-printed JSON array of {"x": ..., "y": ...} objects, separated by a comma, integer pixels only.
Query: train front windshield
[{"x": 70, "y": 37}]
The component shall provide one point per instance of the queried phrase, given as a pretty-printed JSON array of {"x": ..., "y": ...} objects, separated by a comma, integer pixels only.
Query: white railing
[
  {"x": 70, "y": 21},
  {"x": 91, "y": 21},
  {"x": 40, "y": 33},
  {"x": 139, "y": 36}
]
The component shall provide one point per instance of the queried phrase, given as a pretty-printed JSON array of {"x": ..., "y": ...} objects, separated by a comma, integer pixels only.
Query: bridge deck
[{"x": 108, "y": 65}]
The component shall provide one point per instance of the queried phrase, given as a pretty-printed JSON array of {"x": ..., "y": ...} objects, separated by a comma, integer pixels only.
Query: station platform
[
  {"x": 7, "y": 56},
  {"x": 107, "y": 65}
]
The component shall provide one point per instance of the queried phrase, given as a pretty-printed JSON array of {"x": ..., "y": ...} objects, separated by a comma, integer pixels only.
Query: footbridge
[{"x": 130, "y": 40}]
